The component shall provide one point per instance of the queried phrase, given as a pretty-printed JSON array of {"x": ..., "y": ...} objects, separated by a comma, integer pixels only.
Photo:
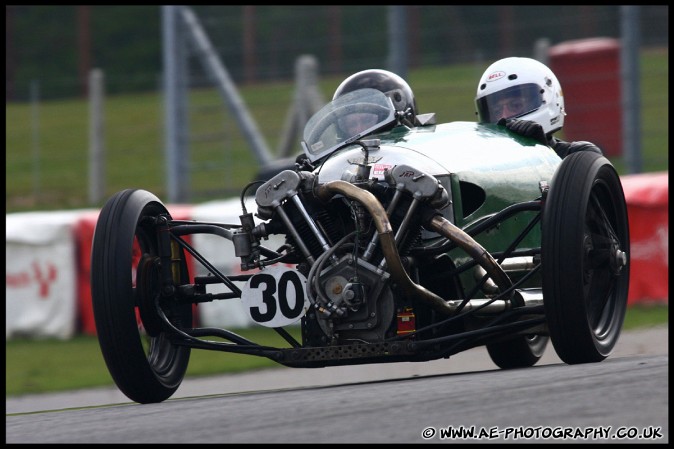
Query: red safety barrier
[
  {"x": 84, "y": 234},
  {"x": 589, "y": 72},
  {"x": 647, "y": 197}
]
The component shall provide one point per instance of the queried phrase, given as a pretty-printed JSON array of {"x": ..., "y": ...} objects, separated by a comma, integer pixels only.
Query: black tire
[
  {"x": 144, "y": 364},
  {"x": 522, "y": 351},
  {"x": 585, "y": 251}
]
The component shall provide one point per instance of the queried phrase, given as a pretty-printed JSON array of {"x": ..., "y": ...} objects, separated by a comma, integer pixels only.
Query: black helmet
[{"x": 387, "y": 82}]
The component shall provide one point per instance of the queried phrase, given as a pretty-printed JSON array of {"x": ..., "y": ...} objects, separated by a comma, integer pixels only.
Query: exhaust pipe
[
  {"x": 387, "y": 240},
  {"x": 524, "y": 297},
  {"x": 444, "y": 227},
  {"x": 521, "y": 263}
]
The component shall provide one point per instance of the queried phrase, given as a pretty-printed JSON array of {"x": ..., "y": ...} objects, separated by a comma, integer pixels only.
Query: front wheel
[
  {"x": 146, "y": 366},
  {"x": 585, "y": 251}
]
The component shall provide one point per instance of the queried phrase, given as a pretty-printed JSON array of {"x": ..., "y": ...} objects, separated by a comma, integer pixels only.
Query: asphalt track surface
[{"x": 622, "y": 399}]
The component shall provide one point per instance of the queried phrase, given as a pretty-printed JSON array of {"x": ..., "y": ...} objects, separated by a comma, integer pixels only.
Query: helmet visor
[{"x": 512, "y": 102}]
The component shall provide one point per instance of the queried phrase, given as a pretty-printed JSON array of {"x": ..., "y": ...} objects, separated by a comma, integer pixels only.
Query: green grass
[
  {"x": 646, "y": 315},
  {"x": 39, "y": 366},
  {"x": 57, "y": 131}
]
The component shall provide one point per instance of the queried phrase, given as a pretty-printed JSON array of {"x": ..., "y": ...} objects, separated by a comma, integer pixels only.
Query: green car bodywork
[{"x": 484, "y": 167}]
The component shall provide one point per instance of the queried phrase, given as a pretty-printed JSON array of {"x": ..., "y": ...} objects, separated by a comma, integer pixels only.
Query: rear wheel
[
  {"x": 585, "y": 257},
  {"x": 141, "y": 359},
  {"x": 520, "y": 352}
]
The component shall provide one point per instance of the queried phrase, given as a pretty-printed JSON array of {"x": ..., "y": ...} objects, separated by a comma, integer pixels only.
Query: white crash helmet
[{"x": 522, "y": 88}]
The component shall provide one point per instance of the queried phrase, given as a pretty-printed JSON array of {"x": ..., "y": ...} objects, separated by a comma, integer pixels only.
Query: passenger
[{"x": 525, "y": 96}]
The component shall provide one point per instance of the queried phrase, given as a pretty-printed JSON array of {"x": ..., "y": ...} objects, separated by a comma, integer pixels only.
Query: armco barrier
[{"x": 48, "y": 261}]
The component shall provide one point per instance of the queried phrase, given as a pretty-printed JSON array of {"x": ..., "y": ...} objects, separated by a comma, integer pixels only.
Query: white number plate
[{"x": 275, "y": 297}]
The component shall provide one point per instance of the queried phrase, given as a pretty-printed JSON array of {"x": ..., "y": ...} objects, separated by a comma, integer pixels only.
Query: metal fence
[{"x": 260, "y": 51}]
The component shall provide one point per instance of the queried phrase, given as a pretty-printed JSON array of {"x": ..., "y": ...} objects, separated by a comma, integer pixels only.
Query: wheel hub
[
  {"x": 618, "y": 259},
  {"x": 147, "y": 290}
]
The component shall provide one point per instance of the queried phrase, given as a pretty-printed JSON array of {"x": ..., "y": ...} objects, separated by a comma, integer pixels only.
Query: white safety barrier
[{"x": 41, "y": 294}]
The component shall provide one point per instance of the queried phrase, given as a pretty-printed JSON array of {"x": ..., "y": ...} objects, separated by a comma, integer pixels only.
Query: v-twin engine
[{"x": 347, "y": 237}]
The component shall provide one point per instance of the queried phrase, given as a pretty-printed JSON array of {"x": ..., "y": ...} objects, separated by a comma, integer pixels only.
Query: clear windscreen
[{"x": 345, "y": 120}]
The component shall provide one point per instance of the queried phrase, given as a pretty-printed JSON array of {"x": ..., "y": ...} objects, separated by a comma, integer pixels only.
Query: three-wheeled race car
[{"x": 399, "y": 244}]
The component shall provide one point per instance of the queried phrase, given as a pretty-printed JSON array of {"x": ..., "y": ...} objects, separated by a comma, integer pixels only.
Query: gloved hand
[{"x": 525, "y": 128}]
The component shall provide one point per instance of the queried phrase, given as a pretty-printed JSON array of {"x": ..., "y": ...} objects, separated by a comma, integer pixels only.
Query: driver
[
  {"x": 524, "y": 95},
  {"x": 384, "y": 81},
  {"x": 358, "y": 122},
  {"x": 393, "y": 86}
]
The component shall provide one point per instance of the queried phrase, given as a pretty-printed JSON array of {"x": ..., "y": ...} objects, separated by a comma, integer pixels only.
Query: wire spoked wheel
[
  {"x": 144, "y": 363},
  {"x": 585, "y": 255}
]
